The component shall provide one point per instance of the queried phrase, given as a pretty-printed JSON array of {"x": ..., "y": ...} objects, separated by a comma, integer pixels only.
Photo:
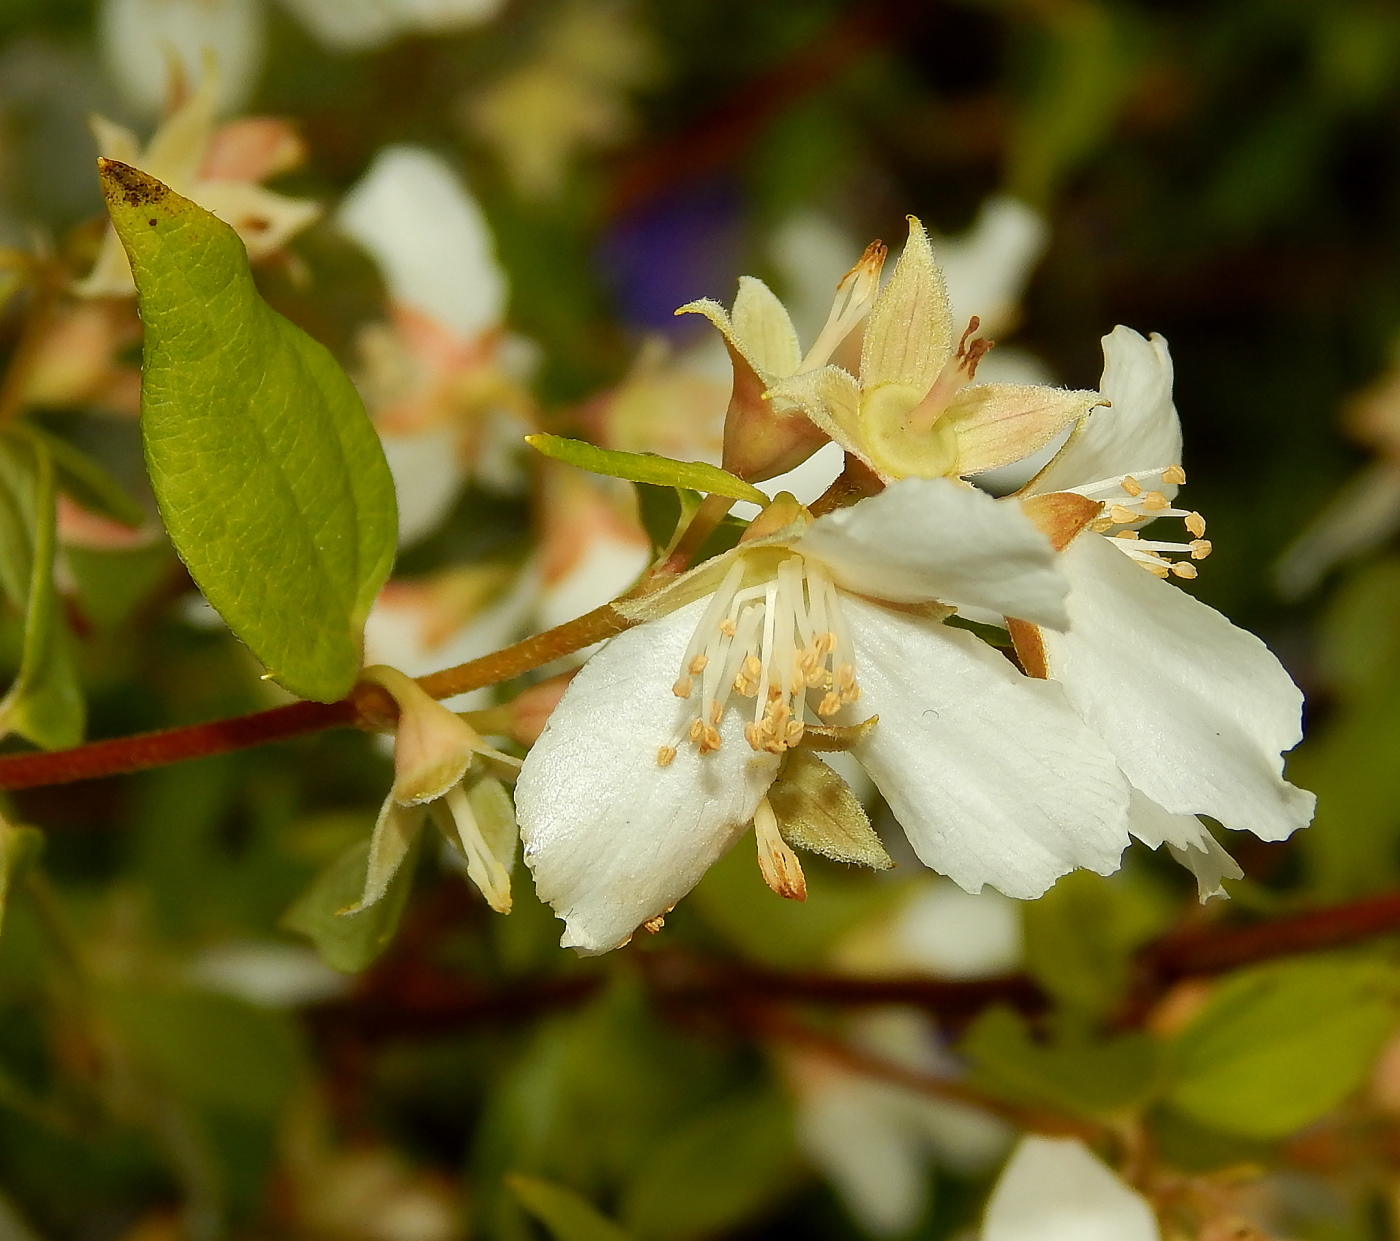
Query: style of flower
[
  {"x": 914, "y": 411},
  {"x": 667, "y": 742},
  {"x": 444, "y": 771},
  {"x": 1197, "y": 711},
  {"x": 217, "y": 168},
  {"x": 1055, "y": 1189}
]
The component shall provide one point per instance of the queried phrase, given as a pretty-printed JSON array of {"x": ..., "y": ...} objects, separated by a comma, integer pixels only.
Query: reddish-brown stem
[{"x": 367, "y": 706}]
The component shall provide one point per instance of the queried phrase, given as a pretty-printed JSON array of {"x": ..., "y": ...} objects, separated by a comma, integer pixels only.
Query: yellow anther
[
  {"x": 698, "y": 665},
  {"x": 753, "y": 734},
  {"x": 825, "y": 643},
  {"x": 709, "y": 740},
  {"x": 1126, "y": 534},
  {"x": 1120, "y": 514},
  {"x": 1174, "y": 475},
  {"x": 1154, "y": 501},
  {"x": 1196, "y": 524},
  {"x": 793, "y": 734},
  {"x": 1131, "y": 485},
  {"x": 845, "y": 677},
  {"x": 1157, "y": 568},
  {"x": 1200, "y": 549},
  {"x": 851, "y": 695},
  {"x": 751, "y": 668},
  {"x": 1101, "y": 525},
  {"x": 1184, "y": 568},
  {"x": 830, "y": 704},
  {"x": 742, "y": 685},
  {"x": 728, "y": 628},
  {"x": 665, "y": 755},
  {"x": 682, "y": 688},
  {"x": 697, "y": 731}
]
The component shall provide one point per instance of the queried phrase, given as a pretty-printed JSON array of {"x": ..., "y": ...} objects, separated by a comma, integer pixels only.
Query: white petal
[
  {"x": 992, "y": 776},
  {"x": 607, "y": 566},
  {"x": 932, "y": 538},
  {"x": 1197, "y": 711},
  {"x": 950, "y": 933},
  {"x": 613, "y": 838},
  {"x": 1190, "y": 842},
  {"x": 763, "y": 329},
  {"x": 987, "y": 267},
  {"x": 357, "y": 25},
  {"x": 854, "y": 1129},
  {"x": 1138, "y": 431},
  {"x": 1054, "y": 1189},
  {"x": 139, "y": 36},
  {"x": 412, "y": 213},
  {"x": 428, "y": 477}
]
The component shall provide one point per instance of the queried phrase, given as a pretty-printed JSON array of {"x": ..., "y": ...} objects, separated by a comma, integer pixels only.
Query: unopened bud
[{"x": 432, "y": 747}]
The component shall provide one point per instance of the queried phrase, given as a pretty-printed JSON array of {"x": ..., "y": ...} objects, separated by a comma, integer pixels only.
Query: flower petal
[
  {"x": 1190, "y": 841},
  {"x": 986, "y": 268},
  {"x": 925, "y": 539},
  {"x": 992, "y": 776},
  {"x": 430, "y": 238},
  {"x": 1138, "y": 431},
  {"x": 910, "y": 332},
  {"x": 830, "y": 397},
  {"x": 613, "y": 838},
  {"x": 996, "y": 424},
  {"x": 1054, "y": 1189},
  {"x": 763, "y": 328},
  {"x": 1197, "y": 711}
]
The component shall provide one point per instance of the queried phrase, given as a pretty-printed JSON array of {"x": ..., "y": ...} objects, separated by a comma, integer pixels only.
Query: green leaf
[
  {"x": 641, "y": 467},
  {"x": 567, "y": 1216},
  {"x": 211, "y": 1049},
  {"x": 1074, "y": 1072},
  {"x": 18, "y": 847},
  {"x": 1081, "y": 934},
  {"x": 665, "y": 512},
  {"x": 713, "y": 1170},
  {"x": 350, "y": 942},
  {"x": 1279, "y": 1046},
  {"x": 87, "y": 482},
  {"x": 45, "y": 703},
  {"x": 269, "y": 476}
]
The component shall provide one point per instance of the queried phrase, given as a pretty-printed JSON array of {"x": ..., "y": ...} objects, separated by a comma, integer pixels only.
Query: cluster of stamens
[
  {"x": 782, "y": 643},
  {"x": 1129, "y": 502}
]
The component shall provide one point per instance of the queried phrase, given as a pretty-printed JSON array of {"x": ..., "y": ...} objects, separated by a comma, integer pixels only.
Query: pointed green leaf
[
  {"x": 18, "y": 846},
  {"x": 349, "y": 942},
  {"x": 45, "y": 703},
  {"x": 79, "y": 476},
  {"x": 567, "y": 1216},
  {"x": 269, "y": 476},
  {"x": 641, "y": 467}
]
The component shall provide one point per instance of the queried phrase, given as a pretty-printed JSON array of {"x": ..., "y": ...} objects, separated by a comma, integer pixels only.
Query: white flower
[
  {"x": 665, "y": 744},
  {"x": 1197, "y": 711},
  {"x": 1054, "y": 1189},
  {"x": 914, "y": 409}
]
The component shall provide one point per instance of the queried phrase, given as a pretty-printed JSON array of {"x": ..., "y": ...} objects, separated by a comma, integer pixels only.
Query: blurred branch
[{"x": 366, "y": 706}]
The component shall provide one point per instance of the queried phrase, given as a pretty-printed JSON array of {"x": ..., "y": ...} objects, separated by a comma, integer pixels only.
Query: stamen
[
  {"x": 1200, "y": 549},
  {"x": 1184, "y": 568},
  {"x": 779, "y": 864},
  {"x": 854, "y": 297},
  {"x": 1154, "y": 502},
  {"x": 483, "y": 867},
  {"x": 1131, "y": 485},
  {"x": 1196, "y": 524},
  {"x": 665, "y": 755},
  {"x": 1174, "y": 475}
]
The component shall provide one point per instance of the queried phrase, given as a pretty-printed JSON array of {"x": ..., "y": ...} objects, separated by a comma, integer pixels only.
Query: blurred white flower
[
  {"x": 267, "y": 973},
  {"x": 1054, "y": 1189},
  {"x": 986, "y": 268},
  {"x": 441, "y": 378},
  {"x": 874, "y": 1139},
  {"x": 155, "y": 48},
  {"x": 359, "y": 25}
]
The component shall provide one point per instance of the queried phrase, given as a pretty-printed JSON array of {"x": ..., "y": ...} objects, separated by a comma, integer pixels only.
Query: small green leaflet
[
  {"x": 639, "y": 467},
  {"x": 268, "y": 474},
  {"x": 567, "y": 1216},
  {"x": 45, "y": 703},
  {"x": 18, "y": 846}
]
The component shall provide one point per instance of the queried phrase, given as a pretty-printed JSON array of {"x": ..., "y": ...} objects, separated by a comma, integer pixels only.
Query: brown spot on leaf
[{"x": 132, "y": 186}]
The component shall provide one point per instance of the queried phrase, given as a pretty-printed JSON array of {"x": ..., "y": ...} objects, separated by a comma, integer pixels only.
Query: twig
[{"x": 366, "y": 707}]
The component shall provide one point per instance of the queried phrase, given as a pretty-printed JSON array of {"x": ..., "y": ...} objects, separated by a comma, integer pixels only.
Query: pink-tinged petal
[
  {"x": 1197, "y": 711},
  {"x": 993, "y": 777},
  {"x": 998, "y": 423},
  {"x": 614, "y": 839},
  {"x": 1138, "y": 431},
  {"x": 251, "y": 148},
  {"x": 927, "y": 539},
  {"x": 763, "y": 329},
  {"x": 1055, "y": 1189},
  {"x": 909, "y": 334}
]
